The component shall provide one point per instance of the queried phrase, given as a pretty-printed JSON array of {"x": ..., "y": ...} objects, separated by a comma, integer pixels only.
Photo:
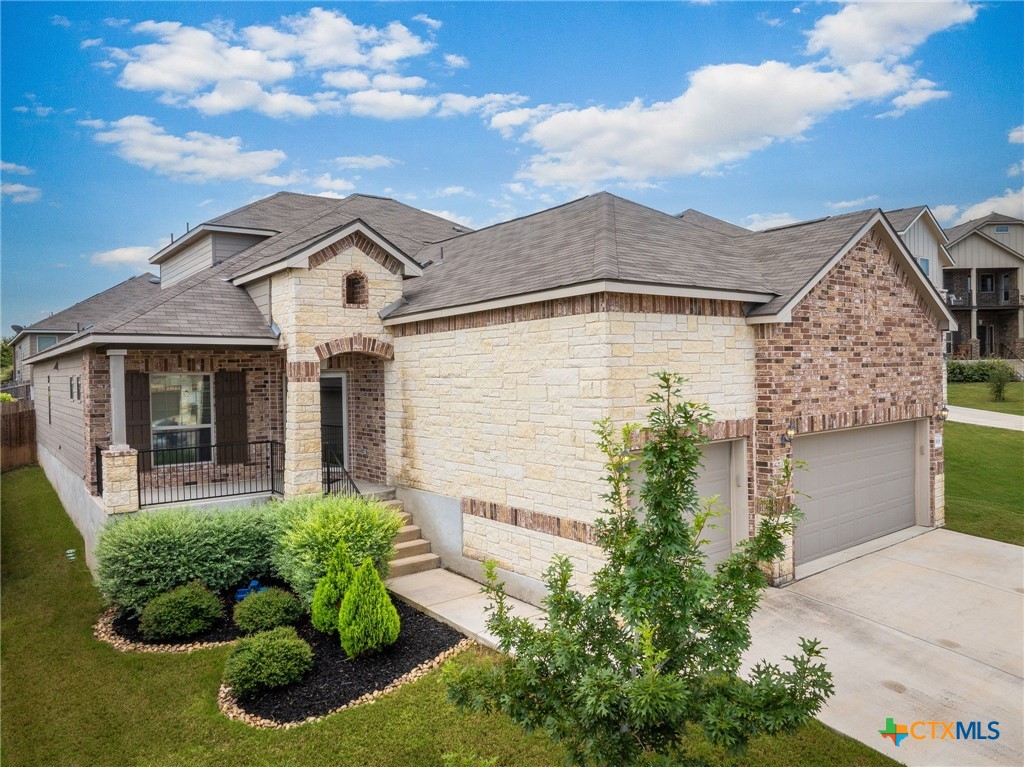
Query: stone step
[
  {"x": 394, "y": 505},
  {"x": 385, "y": 494},
  {"x": 415, "y": 564},
  {"x": 408, "y": 533},
  {"x": 411, "y": 548}
]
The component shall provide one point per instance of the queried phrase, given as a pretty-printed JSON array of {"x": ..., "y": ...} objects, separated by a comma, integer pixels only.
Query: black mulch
[
  {"x": 335, "y": 680},
  {"x": 223, "y": 630}
]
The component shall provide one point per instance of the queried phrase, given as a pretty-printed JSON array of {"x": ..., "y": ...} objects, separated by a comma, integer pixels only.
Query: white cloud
[
  {"x": 390, "y": 105},
  {"x": 136, "y": 256},
  {"x": 847, "y": 204},
  {"x": 488, "y": 104},
  {"x": 423, "y": 18},
  {"x": 20, "y": 193},
  {"x": 769, "y": 20},
  {"x": 1009, "y": 203},
  {"x": 451, "y": 216},
  {"x": 1016, "y": 135},
  {"x": 91, "y": 42},
  {"x": 507, "y": 122},
  {"x": 234, "y": 95},
  {"x": 197, "y": 157},
  {"x": 365, "y": 162},
  {"x": 349, "y": 79},
  {"x": 886, "y": 31},
  {"x": 922, "y": 92},
  {"x": 10, "y": 167},
  {"x": 116, "y": 23},
  {"x": 759, "y": 221},
  {"x": 327, "y": 182},
  {"x": 451, "y": 191},
  {"x": 397, "y": 83},
  {"x": 205, "y": 202},
  {"x": 60, "y": 21},
  {"x": 34, "y": 107},
  {"x": 1016, "y": 169},
  {"x": 455, "y": 61},
  {"x": 331, "y": 195},
  {"x": 945, "y": 214}
]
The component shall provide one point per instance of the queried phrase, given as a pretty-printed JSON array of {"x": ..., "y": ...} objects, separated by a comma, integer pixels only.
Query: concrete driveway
[{"x": 928, "y": 630}]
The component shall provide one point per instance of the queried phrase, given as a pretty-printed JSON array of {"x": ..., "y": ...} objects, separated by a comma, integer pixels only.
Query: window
[
  {"x": 988, "y": 283},
  {"x": 1002, "y": 230},
  {"x": 357, "y": 292},
  {"x": 71, "y": 388},
  {"x": 78, "y": 385},
  {"x": 45, "y": 342},
  {"x": 925, "y": 265},
  {"x": 181, "y": 414}
]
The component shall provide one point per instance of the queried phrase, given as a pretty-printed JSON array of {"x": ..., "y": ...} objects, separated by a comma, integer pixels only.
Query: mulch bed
[{"x": 336, "y": 681}]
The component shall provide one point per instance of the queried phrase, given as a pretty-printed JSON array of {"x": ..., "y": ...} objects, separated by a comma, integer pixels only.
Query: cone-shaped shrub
[
  {"x": 368, "y": 621},
  {"x": 330, "y": 590}
]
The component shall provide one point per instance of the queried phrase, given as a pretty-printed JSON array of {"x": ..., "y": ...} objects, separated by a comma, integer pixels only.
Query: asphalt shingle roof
[
  {"x": 903, "y": 217},
  {"x": 959, "y": 232},
  {"x": 95, "y": 308}
]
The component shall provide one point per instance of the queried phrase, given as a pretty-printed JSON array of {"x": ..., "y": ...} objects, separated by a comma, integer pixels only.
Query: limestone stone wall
[
  {"x": 505, "y": 414},
  {"x": 120, "y": 480}
]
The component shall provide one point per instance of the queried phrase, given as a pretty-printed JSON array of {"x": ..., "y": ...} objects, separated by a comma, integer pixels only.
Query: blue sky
[{"x": 123, "y": 121}]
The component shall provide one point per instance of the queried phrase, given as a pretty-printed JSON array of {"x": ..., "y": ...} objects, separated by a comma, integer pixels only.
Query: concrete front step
[
  {"x": 414, "y": 564},
  {"x": 411, "y": 548},
  {"x": 408, "y": 533}
]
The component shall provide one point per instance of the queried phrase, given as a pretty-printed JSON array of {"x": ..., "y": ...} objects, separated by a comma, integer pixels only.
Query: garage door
[
  {"x": 861, "y": 486},
  {"x": 715, "y": 480}
]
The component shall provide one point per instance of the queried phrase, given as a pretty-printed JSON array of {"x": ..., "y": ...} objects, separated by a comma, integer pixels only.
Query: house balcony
[{"x": 997, "y": 299}]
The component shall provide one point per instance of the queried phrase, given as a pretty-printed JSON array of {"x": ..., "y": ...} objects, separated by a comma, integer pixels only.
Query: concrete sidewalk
[
  {"x": 985, "y": 418},
  {"x": 455, "y": 600}
]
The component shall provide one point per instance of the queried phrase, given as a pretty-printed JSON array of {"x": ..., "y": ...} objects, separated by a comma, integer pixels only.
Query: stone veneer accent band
[
  {"x": 375, "y": 347},
  {"x": 561, "y": 527},
  {"x": 567, "y": 307},
  {"x": 363, "y": 243}
]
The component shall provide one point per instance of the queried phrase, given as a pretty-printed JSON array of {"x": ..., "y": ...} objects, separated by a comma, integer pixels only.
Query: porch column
[
  {"x": 118, "y": 428},
  {"x": 974, "y": 304},
  {"x": 120, "y": 480},
  {"x": 302, "y": 450}
]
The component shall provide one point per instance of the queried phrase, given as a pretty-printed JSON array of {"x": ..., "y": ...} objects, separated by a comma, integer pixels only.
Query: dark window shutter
[
  {"x": 138, "y": 425},
  {"x": 232, "y": 420}
]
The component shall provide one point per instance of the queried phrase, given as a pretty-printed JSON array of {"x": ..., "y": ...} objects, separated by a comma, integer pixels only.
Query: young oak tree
[{"x": 618, "y": 675}]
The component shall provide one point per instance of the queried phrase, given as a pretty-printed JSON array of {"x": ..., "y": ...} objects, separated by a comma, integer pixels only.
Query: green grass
[
  {"x": 70, "y": 700},
  {"x": 985, "y": 481},
  {"x": 977, "y": 395}
]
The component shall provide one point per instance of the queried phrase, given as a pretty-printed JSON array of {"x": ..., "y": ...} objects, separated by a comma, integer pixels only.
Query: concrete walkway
[
  {"x": 985, "y": 418},
  {"x": 455, "y": 600}
]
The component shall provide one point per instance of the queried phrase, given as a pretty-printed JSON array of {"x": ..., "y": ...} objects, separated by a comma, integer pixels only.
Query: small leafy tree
[
  {"x": 330, "y": 590},
  {"x": 368, "y": 620},
  {"x": 619, "y": 675},
  {"x": 999, "y": 375}
]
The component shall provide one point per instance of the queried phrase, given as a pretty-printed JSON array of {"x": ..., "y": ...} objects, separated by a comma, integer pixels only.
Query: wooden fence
[{"x": 17, "y": 433}]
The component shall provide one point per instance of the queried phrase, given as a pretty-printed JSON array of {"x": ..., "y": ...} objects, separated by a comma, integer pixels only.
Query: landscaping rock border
[
  {"x": 230, "y": 707},
  {"x": 104, "y": 631}
]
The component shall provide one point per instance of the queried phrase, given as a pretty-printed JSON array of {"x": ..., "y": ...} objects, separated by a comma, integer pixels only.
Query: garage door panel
[
  {"x": 861, "y": 484},
  {"x": 715, "y": 480}
]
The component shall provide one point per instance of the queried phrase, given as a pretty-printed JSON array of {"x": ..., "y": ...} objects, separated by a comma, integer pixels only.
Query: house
[
  {"x": 40, "y": 336},
  {"x": 300, "y": 341},
  {"x": 984, "y": 287},
  {"x": 924, "y": 238}
]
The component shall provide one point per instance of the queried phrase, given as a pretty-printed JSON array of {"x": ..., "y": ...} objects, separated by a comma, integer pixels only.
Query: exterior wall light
[
  {"x": 943, "y": 412},
  {"x": 787, "y": 436}
]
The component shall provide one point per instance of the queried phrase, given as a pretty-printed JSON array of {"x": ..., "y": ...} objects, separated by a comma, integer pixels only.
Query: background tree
[
  {"x": 619, "y": 674},
  {"x": 6, "y": 359}
]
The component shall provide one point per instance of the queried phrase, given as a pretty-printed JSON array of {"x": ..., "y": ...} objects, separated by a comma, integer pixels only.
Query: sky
[{"x": 121, "y": 124}]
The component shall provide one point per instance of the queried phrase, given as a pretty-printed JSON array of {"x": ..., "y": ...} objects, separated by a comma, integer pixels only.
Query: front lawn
[
  {"x": 985, "y": 481},
  {"x": 68, "y": 699},
  {"x": 978, "y": 395}
]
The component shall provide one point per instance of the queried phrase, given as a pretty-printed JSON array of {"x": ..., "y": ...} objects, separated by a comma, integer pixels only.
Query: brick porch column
[
  {"x": 120, "y": 479},
  {"x": 302, "y": 466}
]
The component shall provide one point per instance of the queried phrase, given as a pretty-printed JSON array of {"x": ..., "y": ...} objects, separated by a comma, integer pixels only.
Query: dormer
[{"x": 202, "y": 248}]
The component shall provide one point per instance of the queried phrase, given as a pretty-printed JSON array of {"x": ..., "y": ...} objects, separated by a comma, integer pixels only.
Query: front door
[
  {"x": 334, "y": 415},
  {"x": 984, "y": 340}
]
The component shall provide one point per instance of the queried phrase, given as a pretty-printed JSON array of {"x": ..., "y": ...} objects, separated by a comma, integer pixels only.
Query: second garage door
[
  {"x": 861, "y": 484},
  {"x": 714, "y": 480}
]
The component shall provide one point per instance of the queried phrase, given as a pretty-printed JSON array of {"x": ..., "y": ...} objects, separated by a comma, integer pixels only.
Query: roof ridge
[{"x": 605, "y": 258}]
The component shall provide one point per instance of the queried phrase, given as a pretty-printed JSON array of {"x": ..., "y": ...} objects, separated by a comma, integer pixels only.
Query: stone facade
[
  {"x": 120, "y": 480},
  {"x": 862, "y": 348}
]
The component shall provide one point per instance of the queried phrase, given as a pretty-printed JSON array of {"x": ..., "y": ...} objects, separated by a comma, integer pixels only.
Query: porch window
[
  {"x": 925, "y": 265},
  {"x": 181, "y": 415},
  {"x": 988, "y": 283}
]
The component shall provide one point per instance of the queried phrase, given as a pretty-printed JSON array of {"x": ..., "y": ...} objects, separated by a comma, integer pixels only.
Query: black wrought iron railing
[
  {"x": 179, "y": 474},
  {"x": 99, "y": 470},
  {"x": 336, "y": 479}
]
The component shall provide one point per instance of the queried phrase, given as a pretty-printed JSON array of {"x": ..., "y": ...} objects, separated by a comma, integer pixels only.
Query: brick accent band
[
  {"x": 358, "y": 343},
  {"x": 867, "y": 416},
  {"x": 304, "y": 372},
  {"x": 539, "y": 522},
  {"x": 568, "y": 307},
  {"x": 365, "y": 244}
]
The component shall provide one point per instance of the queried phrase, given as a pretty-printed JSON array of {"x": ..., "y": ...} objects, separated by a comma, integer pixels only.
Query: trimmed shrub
[
  {"x": 264, "y": 610},
  {"x": 976, "y": 371},
  {"x": 330, "y": 590},
  {"x": 997, "y": 380},
  {"x": 312, "y": 528},
  {"x": 268, "y": 659},
  {"x": 368, "y": 620},
  {"x": 5, "y": 397},
  {"x": 181, "y": 612},
  {"x": 151, "y": 552}
]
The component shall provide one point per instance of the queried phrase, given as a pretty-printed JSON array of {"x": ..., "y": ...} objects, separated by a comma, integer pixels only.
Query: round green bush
[
  {"x": 264, "y": 610},
  {"x": 368, "y": 620},
  {"x": 265, "y": 660},
  {"x": 181, "y": 612},
  {"x": 5, "y": 397}
]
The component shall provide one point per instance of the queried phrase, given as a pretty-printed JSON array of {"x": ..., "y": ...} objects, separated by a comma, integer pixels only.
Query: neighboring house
[
  {"x": 924, "y": 238},
  {"x": 466, "y": 370},
  {"x": 29, "y": 341},
  {"x": 984, "y": 287}
]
